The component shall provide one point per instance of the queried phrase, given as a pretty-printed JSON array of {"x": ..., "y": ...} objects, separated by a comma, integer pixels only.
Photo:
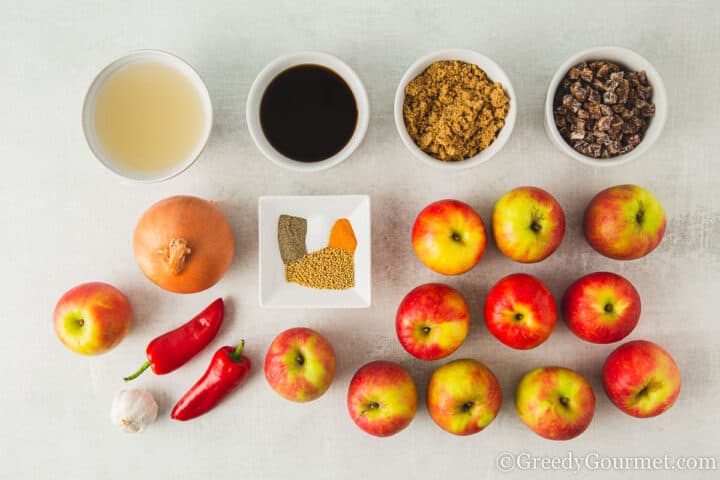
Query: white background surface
[{"x": 66, "y": 220}]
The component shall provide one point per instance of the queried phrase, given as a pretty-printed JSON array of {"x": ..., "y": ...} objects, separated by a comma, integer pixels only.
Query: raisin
[
  {"x": 648, "y": 110},
  {"x": 610, "y": 98},
  {"x": 578, "y": 91},
  {"x": 604, "y": 123},
  {"x": 586, "y": 74},
  {"x": 603, "y": 71}
]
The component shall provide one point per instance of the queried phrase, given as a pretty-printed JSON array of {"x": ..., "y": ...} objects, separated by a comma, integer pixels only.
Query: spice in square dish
[{"x": 330, "y": 268}]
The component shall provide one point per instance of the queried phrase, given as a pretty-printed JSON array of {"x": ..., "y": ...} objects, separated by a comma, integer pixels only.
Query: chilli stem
[
  {"x": 140, "y": 370},
  {"x": 235, "y": 356}
]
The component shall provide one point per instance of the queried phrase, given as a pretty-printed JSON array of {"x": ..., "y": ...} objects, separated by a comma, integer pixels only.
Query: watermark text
[{"x": 572, "y": 462}]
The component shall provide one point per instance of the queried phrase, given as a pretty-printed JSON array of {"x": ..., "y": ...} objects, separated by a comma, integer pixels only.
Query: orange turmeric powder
[{"x": 342, "y": 236}]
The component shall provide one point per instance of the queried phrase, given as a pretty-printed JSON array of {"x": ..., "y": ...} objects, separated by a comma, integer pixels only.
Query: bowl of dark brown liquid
[{"x": 307, "y": 111}]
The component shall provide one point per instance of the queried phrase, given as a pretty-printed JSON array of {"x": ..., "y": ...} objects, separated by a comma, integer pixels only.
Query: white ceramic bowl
[
  {"x": 88, "y": 113},
  {"x": 494, "y": 72},
  {"x": 278, "y": 66},
  {"x": 626, "y": 58}
]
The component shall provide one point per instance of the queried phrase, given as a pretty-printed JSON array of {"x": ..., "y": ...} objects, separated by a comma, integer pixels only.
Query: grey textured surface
[{"x": 66, "y": 221}]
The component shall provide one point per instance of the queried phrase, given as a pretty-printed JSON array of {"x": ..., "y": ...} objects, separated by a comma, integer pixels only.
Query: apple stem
[
  {"x": 140, "y": 370},
  {"x": 640, "y": 214}
]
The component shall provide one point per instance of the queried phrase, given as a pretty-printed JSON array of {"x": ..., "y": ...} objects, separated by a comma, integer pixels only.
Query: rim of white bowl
[
  {"x": 279, "y": 65},
  {"x": 493, "y": 71},
  {"x": 88, "y": 113},
  {"x": 629, "y": 59}
]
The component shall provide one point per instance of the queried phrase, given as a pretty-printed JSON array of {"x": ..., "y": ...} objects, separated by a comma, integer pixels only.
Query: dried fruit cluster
[{"x": 603, "y": 110}]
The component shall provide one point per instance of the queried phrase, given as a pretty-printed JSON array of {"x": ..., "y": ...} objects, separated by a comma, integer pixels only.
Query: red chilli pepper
[
  {"x": 228, "y": 368},
  {"x": 173, "y": 349}
]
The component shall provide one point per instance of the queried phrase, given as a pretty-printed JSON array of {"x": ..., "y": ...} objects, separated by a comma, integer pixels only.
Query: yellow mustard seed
[{"x": 328, "y": 269}]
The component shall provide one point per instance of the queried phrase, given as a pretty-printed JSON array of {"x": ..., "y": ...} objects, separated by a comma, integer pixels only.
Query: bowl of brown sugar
[{"x": 455, "y": 108}]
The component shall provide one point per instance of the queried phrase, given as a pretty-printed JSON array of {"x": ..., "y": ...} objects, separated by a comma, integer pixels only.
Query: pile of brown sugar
[{"x": 453, "y": 110}]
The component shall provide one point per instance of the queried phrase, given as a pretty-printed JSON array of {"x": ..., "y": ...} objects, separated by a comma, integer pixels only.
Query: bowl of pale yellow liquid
[{"x": 147, "y": 116}]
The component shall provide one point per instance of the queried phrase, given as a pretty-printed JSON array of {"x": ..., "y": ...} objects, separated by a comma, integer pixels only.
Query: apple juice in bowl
[{"x": 147, "y": 116}]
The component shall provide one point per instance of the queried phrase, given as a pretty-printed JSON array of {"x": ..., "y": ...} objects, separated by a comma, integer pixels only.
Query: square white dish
[{"x": 321, "y": 211}]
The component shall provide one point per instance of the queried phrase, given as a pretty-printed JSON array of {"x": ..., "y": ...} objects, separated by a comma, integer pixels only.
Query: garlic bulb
[{"x": 133, "y": 410}]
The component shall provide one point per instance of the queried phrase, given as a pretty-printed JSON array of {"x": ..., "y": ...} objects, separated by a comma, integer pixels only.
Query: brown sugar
[{"x": 453, "y": 110}]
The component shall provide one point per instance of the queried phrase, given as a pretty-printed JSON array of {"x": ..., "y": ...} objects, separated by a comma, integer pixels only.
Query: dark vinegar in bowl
[{"x": 308, "y": 113}]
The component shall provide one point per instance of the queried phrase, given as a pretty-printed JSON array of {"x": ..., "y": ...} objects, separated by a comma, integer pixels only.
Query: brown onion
[{"x": 183, "y": 244}]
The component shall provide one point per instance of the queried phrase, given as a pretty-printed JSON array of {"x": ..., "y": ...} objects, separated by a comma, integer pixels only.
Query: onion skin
[{"x": 183, "y": 244}]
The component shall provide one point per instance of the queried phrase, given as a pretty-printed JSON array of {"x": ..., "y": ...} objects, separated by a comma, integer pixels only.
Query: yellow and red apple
[
  {"x": 528, "y": 224},
  {"x": 555, "y": 402},
  {"x": 520, "y": 311},
  {"x": 641, "y": 379},
  {"x": 382, "y": 398},
  {"x": 601, "y": 307},
  {"x": 449, "y": 237},
  {"x": 463, "y": 397},
  {"x": 432, "y": 321},
  {"x": 92, "y": 318},
  {"x": 300, "y": 364},
  {"x": 624, "y": 222}
]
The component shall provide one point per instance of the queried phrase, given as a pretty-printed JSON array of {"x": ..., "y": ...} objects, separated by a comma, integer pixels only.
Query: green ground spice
[{"x": 291, "y": 238}]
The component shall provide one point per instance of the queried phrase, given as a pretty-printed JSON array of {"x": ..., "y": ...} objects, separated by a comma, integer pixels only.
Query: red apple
[
  {"x": 463, "y": 397},
  {"x": 554, "y": 402},
  {"x": 382, "y": 398},
  {"x": 300, "y": 364},
  {"x": 432, "y": 321},
  {"x": 601, "y": 307},
  {"x": 449, "y": 237},
  {"x": 641, "y": 379},
  {"x": 92, "y": 318},
  {"x": 624, "y": 222},
  {"x": 520, "y": 311},
  {"x": 528, "y": 224}
]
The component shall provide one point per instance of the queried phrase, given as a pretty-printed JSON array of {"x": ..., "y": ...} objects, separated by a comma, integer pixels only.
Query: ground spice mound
[
  {"x": 291, "y": 237},
  {"x": 328, "y": 268},
  {"x": 453, "y": 110}
]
